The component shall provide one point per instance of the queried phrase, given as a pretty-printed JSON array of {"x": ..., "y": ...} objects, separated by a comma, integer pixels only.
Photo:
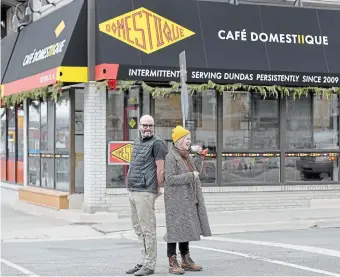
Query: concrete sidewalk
[
  {"x": 41, "y": 222},
  {"x": 248, "y": 221}
]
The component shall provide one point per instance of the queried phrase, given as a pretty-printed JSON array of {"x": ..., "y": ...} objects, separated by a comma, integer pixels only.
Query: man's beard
[{"x": 147, "y": 134}]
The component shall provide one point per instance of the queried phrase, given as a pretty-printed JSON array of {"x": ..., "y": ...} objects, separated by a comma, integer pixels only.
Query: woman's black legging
[{"x": 183, "y": 248}]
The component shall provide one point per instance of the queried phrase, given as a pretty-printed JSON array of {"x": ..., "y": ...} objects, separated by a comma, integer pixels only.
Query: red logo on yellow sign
[
  {"x": 120, "y": 152},
  {"x": 145, "y": 30}
]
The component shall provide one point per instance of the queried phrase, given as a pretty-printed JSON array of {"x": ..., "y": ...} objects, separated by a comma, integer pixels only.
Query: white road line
[
  {"x": 310, "y": 249},
  {"x": 115, "y": 236},
  {"x": 259, "y": 258},
  {"x": 18, "y": 267}
]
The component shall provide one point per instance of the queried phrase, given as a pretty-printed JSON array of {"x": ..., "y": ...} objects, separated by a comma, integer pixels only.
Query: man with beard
[{"x": 144, "y": 178}]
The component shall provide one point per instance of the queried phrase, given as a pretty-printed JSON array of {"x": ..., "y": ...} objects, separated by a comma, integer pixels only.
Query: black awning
[
  {"x": 7, "y": 47},
  {"x": 54, "y": 48},
  {"x": 250, "y": 44}
]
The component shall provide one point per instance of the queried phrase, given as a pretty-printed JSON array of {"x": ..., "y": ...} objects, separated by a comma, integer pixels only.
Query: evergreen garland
[
  {"x": 56, "y": 89},
  {"x": 35, "y": 94},
  {"x": 265, "y": 91}
]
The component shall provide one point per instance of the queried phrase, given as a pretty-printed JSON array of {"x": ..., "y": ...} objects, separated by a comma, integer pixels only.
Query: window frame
[
  {"x": 283, "y": 149},
  {"x": 6, "y": 144},
  {"x": 215, "y": 158},
  {"x": 53, "y": 152}
]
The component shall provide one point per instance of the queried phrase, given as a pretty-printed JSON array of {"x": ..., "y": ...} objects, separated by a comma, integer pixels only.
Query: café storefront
[
  {"x": 264, "y": 82},
  {"x": 41, "y": 62},
  {"x": 264, "y": 88}
]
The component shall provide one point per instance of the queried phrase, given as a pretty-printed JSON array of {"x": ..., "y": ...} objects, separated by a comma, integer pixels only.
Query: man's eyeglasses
[{"x": 147, "y": 126}]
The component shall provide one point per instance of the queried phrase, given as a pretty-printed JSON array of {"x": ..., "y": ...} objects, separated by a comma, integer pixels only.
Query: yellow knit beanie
[{"x": 178, "y": 133}]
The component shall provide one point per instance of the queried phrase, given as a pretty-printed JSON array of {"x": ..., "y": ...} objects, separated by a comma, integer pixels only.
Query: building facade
[{"x": 264, "y": 100}]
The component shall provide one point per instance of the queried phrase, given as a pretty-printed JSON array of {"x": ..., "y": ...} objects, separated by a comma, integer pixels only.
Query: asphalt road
[{"x": 312, "y": 252}]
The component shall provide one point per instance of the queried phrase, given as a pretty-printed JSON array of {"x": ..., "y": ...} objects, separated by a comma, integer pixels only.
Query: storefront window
[
  {"x": 115, "y": 132},
  {"x": 47, "y": 172},
  {"x": 20, "y": 145},
  {"x": 34, "y": 143},
  {"x": 79, "y": 141},
  {"x": 201, "y": 122},
  {"x": 3, "y": 143},
  {"x": 62, "y": 142},
  {"x": 250, "y": 122},
  {"x": 313, "y": 122},
  {"x": 62, "y": 177},
  {"x": 11, "y": 145},
  {"x": 20, "y": 129},
  {"x": 11, "y": 138},
  {"x": 47, "y": 126},
  {"x": 43, "y": 126},
  {"x": 167, "y": 116},
  {"x": 62, "y": 123},
  {"x": 251, "y": 170},
  {"x": 309, "y": 168},
  {"x": 123, "y": 112}
]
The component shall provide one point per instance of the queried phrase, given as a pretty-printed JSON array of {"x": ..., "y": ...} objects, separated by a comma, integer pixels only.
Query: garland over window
[
  {"x": 156, "y": 91},
  {"x": 35, "y": 94},
  {"x": 265, "y": 91}
]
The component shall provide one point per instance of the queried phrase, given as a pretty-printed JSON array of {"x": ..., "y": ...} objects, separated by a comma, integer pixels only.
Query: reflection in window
[
  {"x": 322, "y": 168},
  {"x": 250, "y": 122},
  {"x": 62, "y": 175},
  {"x": 47, "y": 173},
  {"x": 43, "y": 126},
  {"x": 313, "y": 122},
  {"x": 11, "y": 137},
  {"x": 168, "y": 115},
  {"x": 20, "y": 133},
  {"x": 123, "y": 110},
  {"x": 3, "y": 127},
  {"x": 34, "y": 127},
  {"x": 251, "y": 170},
  {"x": 115, "y": 132},
  {"x": 62, "y": 126},
  {"x": 201, "y": 122},
  {"x": 34, "y": 171},
  {"x": 115, "y": 117},
  {"x": 79, "y": 141},
  {"x": 3, "y": 147},
  {"x": 326, "y": 122},
  {"x": 20, "y": 145},
  {"x": 208, "y": 174},
  {"x": 34, "y": 143},
  {"x": 47, "y": 125}
]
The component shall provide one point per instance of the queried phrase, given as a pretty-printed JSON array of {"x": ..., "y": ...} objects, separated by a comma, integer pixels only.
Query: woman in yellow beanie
[{"x": 185, "y": 211}]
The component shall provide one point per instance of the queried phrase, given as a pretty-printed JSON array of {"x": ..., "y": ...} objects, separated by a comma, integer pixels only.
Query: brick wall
[
  {"x": 94, "y": 148},
  {"x": 245, "y": 198}
]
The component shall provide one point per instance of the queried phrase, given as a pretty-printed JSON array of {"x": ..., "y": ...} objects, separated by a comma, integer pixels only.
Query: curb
[{"x": 47, "y": 235}]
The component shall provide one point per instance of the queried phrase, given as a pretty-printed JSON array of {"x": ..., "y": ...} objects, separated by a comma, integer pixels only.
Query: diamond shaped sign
[
  {"x": 145, "y": 30},
  {"x": 132, "y": 123}
]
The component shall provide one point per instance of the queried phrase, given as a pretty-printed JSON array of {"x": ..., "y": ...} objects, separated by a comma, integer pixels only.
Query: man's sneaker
[
  {"x": 144, "y": 271},
  {"x": 135, "y": 269}
]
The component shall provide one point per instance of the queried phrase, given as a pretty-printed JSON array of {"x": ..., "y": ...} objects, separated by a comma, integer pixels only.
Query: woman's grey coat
[{"x": 185, "y": 220}]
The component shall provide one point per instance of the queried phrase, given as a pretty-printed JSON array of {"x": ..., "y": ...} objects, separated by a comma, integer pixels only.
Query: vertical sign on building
[{"x": 184, "y": 88}]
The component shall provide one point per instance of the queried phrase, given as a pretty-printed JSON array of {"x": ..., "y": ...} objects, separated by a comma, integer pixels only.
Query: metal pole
[{"x": 184, "y": 88}]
